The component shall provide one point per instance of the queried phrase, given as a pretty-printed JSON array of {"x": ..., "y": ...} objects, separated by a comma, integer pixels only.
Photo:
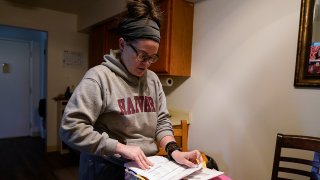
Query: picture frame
[{"x": 305, "y": 76}]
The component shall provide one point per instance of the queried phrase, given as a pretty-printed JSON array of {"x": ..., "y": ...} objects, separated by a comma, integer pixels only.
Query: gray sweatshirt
[{"x": 110, "y": 105}]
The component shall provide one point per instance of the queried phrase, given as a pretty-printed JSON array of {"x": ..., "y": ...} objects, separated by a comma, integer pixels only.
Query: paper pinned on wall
[{"x": 72, "y": 59}]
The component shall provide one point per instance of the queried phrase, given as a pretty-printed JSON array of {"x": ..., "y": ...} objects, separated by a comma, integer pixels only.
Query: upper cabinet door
[
  {"x": 176, "y": 39},
  {"x": 97, "y": 45}
]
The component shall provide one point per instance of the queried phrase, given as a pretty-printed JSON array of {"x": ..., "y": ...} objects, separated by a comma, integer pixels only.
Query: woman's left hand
[{"x": 190, "y": 159}]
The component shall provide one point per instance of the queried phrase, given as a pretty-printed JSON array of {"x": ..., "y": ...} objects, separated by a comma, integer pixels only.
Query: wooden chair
[
  {"x": 301, "y": 143},
  {"x": 180, "y": 133}
]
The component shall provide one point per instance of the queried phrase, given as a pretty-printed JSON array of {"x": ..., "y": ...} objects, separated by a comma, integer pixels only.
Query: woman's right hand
[{"x": 134, "y": 153}]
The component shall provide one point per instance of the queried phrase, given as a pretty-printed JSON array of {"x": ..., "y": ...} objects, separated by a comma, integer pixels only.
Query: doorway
[
  {"x": 15, "y": 85},
  {"x": 23, "y": 79}
]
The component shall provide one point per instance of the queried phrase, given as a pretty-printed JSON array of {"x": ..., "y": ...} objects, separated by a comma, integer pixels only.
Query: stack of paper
[{"x": 164, "y": 169}]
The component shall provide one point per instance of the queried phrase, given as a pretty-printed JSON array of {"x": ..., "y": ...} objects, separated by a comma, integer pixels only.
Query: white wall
[
  {"x": 62, "y": 35},
  {"x": 241, "y": 91}
]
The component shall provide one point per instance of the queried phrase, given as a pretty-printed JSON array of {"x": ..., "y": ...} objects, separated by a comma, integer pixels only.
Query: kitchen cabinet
[
  {"x": 103, "y": 37},
  {"x": 176, "y": 39}
]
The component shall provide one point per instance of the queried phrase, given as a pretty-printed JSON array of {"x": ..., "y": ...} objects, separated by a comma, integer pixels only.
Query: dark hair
[{"x": 138, "y": 9}]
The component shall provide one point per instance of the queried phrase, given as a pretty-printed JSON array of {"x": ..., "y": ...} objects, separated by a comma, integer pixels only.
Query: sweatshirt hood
[{"x": 118, "y": 68}]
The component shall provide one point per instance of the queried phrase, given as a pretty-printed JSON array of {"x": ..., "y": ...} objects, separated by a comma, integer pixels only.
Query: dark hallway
[{"x": 24, "y": 158}]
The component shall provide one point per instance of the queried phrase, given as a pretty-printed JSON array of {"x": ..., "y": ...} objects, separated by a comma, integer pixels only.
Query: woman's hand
[
  {"x": 134, "y": 153},
  {"x": 190, "y": 159}
]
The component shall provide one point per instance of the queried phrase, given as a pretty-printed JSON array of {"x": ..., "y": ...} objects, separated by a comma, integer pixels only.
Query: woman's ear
[{"x": 121, "y": 44}]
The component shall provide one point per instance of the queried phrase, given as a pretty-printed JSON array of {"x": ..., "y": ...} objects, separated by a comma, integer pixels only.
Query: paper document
[
  {"x": 164, "y": 169},
  {"x": 204, "y": 174}
]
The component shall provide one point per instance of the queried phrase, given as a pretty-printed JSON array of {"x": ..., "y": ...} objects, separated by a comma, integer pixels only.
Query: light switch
[{"x": 5, "y": 68}]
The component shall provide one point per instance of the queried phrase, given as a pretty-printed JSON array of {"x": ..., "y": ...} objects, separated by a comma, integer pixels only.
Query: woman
[{"x": 119, "y": 107}]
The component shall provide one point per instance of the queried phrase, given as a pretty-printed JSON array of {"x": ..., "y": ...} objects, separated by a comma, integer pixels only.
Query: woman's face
[{"x": 133, "y": 51}]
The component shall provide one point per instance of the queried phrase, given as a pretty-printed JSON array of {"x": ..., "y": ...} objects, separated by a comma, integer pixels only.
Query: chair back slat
[
  {"x": 307, "y": 143},
  {"x": 295, "y": 171},
  {"x": 301, "y": 161}
]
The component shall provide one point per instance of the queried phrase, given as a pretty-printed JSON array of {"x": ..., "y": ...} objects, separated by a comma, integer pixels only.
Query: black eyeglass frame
[{"x": 144, "y": 57}]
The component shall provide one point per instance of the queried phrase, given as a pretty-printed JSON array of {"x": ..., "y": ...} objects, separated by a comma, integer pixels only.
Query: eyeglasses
[{"x": 144, "y": 57}]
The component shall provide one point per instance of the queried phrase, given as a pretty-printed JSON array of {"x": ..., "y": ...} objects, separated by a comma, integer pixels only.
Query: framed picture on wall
[{"x": 307, "y": 71}]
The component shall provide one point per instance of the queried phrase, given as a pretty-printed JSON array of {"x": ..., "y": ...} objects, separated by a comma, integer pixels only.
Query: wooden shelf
[{"x": 62, "y": 147}]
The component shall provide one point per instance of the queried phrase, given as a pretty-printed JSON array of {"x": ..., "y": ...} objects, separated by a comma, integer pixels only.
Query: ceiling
[{"x": 68, "y": 6}]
